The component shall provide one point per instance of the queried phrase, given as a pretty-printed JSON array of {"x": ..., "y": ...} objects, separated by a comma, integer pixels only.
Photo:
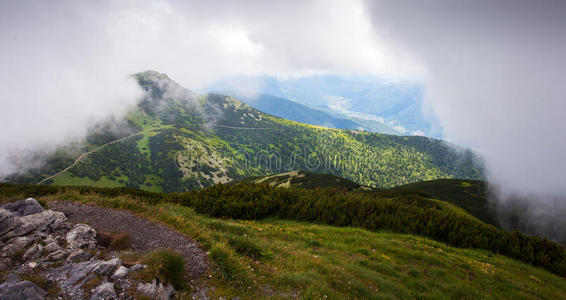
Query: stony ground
[{"x": 146, "y": 235}]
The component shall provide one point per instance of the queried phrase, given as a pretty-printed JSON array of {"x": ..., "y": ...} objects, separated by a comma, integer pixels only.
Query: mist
[
  {"x": 66, "y": 65},
  {"x": 495, "y": 76}
]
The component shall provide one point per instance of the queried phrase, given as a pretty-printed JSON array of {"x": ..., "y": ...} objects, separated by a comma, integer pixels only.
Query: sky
[{"x": 493, "y": 71}]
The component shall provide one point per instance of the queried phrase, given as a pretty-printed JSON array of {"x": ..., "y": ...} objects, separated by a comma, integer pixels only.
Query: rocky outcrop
[
  {"x": 43, "y": 242},
  {"x": 104, "y": 291},
  {"x": 21, "y": 290},
  {"x": 81, "y": 236},
  {"x": 21, "y": 208}
]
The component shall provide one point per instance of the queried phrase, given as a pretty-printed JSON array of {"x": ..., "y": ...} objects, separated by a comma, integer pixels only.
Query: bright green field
[{"x": 283, "y": 259}]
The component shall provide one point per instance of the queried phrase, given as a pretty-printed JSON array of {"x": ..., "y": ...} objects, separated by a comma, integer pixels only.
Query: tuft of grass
[
  {"x": 165, "y": 265},
  {"x": 245, "y": 246},
  {"x": 228, "y": 267}
]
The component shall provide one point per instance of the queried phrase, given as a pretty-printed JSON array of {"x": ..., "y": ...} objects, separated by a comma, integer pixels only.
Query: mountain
[
  {"x": 294, "y": 111},
  {"x": 176, "y": 140},
  {"x": 395, "y": 103}
]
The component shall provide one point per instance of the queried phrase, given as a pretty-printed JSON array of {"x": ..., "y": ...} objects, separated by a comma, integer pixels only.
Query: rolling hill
[
  {"x": 176, "y": 140},
  {"x": 272, "y": 242},
  {"x": 470, "y": 195}
]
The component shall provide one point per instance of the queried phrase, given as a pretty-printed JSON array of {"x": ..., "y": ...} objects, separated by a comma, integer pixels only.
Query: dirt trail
[{"x": 146, "y": 235}]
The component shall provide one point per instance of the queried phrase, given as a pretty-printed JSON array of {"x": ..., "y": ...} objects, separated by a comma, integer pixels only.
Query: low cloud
[{"x": 496, "y": 72}]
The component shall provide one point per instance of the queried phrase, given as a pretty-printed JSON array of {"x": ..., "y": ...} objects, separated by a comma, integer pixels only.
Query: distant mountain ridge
[
  {"x": 176, "y": 140},
  {"x": 294, "y": 111},
  {"x": 398, "y": 104}
]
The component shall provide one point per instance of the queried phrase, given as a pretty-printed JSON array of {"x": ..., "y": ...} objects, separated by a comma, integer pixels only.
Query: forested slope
[{"x": 176, "y": 140}]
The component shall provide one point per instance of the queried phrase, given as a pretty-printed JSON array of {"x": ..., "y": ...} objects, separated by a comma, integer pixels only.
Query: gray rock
[
  {"x": 52, "y": 247},
  {"x": 104, "y": 291},
  {"x": 47, "y": 222},
  {"x": 78, "y": 255},
  {"x": 25, "y": 290},
  {"x": 21, "y": 208},
  {"x": 57, "y": 255},
  {"x": 81, "y": 236},
  {"x": 156, "y": 290},
  {"x": 137, "y": 267},
  {"x": 16, "y": 246},
  {"x": 69, "y": 274},
  {"x": 8, "y": 223},
  {"x": 120, "y": 273},
  {"x": 107, "y": 267},
  {"x": 33, "y": 253}
]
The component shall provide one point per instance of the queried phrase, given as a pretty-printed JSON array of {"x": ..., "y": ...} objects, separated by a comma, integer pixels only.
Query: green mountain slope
[
  {"x": 276, "y": 257},
  {"x": 307, "y": 180},
  {"x": 470, "y": 195},
  {"x": 176, "y": 140}
]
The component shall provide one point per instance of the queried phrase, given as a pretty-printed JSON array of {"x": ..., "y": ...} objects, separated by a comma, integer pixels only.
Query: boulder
[
  {"x": 107, "y": 267},
  {"x": 81, "y": 236},
  {"x": 120, "y": 273},
  {"x": 104, "y": 291},
  {"x": 78, "y": 255},
  {"x": 21, "y": 208},
  {"x": 21, "y": 290},
  {"x": 8, "y": 223},
  {"x": 46, "y": 222},
  {"x": 156, "y": 290},
  {"x": 137, "y": 267}
]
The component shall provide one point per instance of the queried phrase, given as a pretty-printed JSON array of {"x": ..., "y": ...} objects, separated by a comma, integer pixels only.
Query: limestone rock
[
  {"x": 104, "y": 291},
  {"x": 107, "y": 267},
  {"x": 21, "y": 290},
  {"x": 33, "y": 253},
  {"x": 137, "y": 267},
  {"x": 78, "y": 255},
  {"x": 8, "y": 223},
  {"x": 81, "y": 236},
  {"x": 21, "y": 208},
  {"x": 156, "y": 290},
  {"x": 16, "y": 246},
  {"x": 120, "y": 273},
  {"x": 57, "y": 255}
]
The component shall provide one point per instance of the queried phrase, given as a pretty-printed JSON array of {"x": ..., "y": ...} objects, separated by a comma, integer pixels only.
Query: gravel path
[{"x": 146, "y": 235}]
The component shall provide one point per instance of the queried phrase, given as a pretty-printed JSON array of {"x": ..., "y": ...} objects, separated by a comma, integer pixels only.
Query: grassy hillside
[
  {"x": 275, "y": 258},
  {"x": 471, "y": 195},
  {"x": 175, "y": 140},
  {"x": 307, "y": 180}
]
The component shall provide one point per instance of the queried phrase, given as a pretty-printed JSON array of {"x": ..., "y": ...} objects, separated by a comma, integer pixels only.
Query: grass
[
  {"x": 284, "y": 259},
  {"x": 165, "y": 265}
]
